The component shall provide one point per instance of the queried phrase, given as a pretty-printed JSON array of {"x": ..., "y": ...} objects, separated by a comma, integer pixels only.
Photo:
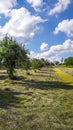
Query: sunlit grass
[
  {"x": 64, "y": 75},
  {"x": 67, "y": 70}
]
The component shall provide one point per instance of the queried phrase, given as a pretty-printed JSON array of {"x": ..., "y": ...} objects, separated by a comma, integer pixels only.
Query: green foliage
[
  {"x": 39, "y": 63},
  {"x": 11, "y": 54},
  {"x": 27, "y": 64},
  {"x": 57, "y": 62},
  {"x": 44, "y": 62},
  {"x": 36, "y": 64},
  {"x": 69, "y": 61}
]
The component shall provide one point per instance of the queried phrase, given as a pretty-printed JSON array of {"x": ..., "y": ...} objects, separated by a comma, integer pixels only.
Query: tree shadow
[
  {"x": 44, "y": 85},
  {"x": 3, "y": 74},
  {"x": 11, "y": 98},
  {"x": 19, "y": 78},
  {"x": 8, "y": 98},
  {"x": 3, "y": 77},
  {"x": 36, "y": 75}
]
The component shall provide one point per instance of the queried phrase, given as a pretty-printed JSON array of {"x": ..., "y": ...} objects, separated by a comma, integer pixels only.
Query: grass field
[{"x": 42, "y": 100}]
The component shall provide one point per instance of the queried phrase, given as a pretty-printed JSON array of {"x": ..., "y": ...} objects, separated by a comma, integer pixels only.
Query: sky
[{"x": 45, "y": 27}]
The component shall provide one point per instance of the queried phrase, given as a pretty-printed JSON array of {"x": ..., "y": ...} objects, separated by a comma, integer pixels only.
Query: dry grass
[{"x": 39, "y": 101}]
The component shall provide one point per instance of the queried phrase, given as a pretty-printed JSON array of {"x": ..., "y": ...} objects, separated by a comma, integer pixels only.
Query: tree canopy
[{"x": 11, "y": 54}]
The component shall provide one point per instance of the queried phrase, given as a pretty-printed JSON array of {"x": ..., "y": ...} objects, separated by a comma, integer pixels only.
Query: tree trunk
[{"x": 10, "y": 73}]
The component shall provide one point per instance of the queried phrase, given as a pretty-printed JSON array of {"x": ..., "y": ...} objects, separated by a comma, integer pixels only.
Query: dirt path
[{"x": 63, "y": 75}]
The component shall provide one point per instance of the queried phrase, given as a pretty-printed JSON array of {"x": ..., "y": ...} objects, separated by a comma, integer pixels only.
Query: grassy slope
[{"x": 39, "y": 101}]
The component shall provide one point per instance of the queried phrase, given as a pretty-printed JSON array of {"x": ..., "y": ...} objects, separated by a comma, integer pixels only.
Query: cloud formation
[
  {"x": 44, "y": 46},
  {"x": 21, "y": 24},
  {"x": 36, "y": 4},
  {"x": 65, "y": 26},
  {"x": 6, "y": 6},
  {"x": 59, "y": 7},
  {"x": 67, "y": 46},
  {"x": 54, "y": 51}
]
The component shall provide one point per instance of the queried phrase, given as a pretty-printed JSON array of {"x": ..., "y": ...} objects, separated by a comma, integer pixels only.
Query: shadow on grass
[
  {"x": 45, "y": 72},
  {"x": 44, "y": 85},
  {"x": 3, "y": 77},
  {"x": 36, "y": 75},
  {"x": 8, "y": 98}
]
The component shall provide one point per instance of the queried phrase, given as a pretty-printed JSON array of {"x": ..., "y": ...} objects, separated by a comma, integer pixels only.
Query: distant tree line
[{"x": 68, "y": 61}]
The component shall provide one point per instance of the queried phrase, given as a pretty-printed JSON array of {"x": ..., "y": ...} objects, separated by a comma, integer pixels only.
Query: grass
[
  {"x": 39, "y": 101},
  {"x": 68, "y": 70},
  {"x": 64, "y": 75}
]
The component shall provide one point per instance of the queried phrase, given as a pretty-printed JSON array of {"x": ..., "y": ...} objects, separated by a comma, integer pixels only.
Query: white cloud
[
  {"x": 21, "y": 24},
  {"x": 44, "y": 46},
  {"x": 54, "y": 58},
  {"x": 45, "y": 55},
  {"x": 67, "y": 46},
  {"x": 6, "y": 6},
  {"x": 36, "y": 4},
  {"x": 65, "y": 26},
  {"x": 38, "y": 55},
  {"x": 33, "y": 54},
  {"x": 59, "y": 7},
  {"x": 54, "y": 51}
]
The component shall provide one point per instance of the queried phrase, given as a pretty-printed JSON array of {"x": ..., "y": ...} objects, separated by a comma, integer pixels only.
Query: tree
[
  {"x": 36, "y": 64},
  {"x": 11, "y": 54},
  {"x": 27, "y": 65},
  {"x": 69, "y": 61},
  {"x": 57, "y": 62}
]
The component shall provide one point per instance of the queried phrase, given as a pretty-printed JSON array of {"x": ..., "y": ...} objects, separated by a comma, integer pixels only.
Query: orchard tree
[
  {"x": 36, "y": 64},
  {"x": 11, "y": 54},
  {"x": 45, "y": 63},
  {"x": 27, "y": 65}
]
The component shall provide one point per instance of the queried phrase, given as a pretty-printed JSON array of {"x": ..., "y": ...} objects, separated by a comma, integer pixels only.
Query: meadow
[{"x": 42, "y": 100}]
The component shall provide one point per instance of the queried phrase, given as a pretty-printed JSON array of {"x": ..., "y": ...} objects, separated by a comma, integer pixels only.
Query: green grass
[{"x": 39, "y": 101}]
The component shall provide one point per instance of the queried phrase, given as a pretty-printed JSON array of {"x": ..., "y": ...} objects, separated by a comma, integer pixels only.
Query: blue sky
[{"x": 44, "y": 26}]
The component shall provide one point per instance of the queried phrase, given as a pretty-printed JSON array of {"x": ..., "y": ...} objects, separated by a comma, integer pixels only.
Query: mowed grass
[
  {"x": 64, "y": 75},
  {"x": 67, "y": 70},
  {"x": 39, "y": 101}
]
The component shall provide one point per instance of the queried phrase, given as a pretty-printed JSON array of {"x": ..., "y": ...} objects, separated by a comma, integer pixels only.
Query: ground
[{"x": 42, "y": 100}]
